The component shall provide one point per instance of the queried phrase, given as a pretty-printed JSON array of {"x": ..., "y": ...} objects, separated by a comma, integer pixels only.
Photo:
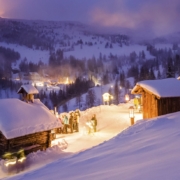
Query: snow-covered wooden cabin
[
  {"x": 159, "y": 97},
  {"x": 28, "y": 126},
  {"x": 27, "y": 92}
]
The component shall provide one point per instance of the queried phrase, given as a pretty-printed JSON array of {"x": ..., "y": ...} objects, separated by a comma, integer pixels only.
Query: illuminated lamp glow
[
  {"x": 10, "y": 162},
  {"x": 21, "y": 159}
]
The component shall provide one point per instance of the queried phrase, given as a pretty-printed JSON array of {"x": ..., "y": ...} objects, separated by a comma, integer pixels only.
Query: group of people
[{"x": 71, "y": 122}]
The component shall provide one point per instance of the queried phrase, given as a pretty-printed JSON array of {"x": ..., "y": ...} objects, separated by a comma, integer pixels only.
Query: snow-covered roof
[
  {"x": 33, "y": 73},
  {"x": 161, "y": 88},
  {"x": 18, "y": 118},
  {"x": 30, "y": 89}
]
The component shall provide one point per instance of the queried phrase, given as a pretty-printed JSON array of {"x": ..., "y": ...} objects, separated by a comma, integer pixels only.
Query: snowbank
[{"x": 148, "y": 150}]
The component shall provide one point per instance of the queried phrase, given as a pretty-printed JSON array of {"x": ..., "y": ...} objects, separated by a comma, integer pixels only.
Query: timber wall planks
[
  {"x": 32, "y": 142},
  {"x": 153, "y": 107}
]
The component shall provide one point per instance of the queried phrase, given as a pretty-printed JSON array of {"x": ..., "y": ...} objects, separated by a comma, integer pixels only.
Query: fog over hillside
[{"x": 64, "y": 51}]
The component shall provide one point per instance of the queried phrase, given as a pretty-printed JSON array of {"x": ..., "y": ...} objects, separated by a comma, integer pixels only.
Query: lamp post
[{"x": 131, "y": 114}]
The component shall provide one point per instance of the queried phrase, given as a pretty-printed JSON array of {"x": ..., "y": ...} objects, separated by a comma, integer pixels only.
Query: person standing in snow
[
  {"x": 71, "y": 119},
  {"x": 89, "y": 127},
  {"x": 94, "y": 122},
  {"x": 61, "y": 128},
  {"x": 77, "y": 116},
  {"x": 66, "y": 123}
]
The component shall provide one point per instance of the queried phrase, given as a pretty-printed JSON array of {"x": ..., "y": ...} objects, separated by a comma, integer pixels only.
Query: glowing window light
[
  {"x": 107, "y": 96},
  {"x": 67, "y": 81},
  {"x": 126, "y": 97},
  {"x": 10, "y": 162},
  {"x": 21, "y": 159}
]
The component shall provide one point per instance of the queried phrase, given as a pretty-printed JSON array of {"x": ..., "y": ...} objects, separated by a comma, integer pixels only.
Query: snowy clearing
[
  {"x": 87, "y": 52},
  {"x": 148, "y": 150},
  {"x": 111, "y": 121},
  {"x": 31, "y": 55}
]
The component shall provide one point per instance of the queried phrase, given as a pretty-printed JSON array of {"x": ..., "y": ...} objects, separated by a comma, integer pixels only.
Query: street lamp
[
  {"x": 131, "y": 114},
  {"x": 126, "y": 97}
]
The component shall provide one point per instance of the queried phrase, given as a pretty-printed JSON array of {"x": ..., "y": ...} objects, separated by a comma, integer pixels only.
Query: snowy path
[{"x": 111, "y": 121}]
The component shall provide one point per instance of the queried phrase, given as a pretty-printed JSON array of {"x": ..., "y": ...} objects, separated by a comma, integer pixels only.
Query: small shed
[
  {"x": 28, "y": 92},
  {"x": 28, "y": 126},
  {"x": 159, "y": 97}
]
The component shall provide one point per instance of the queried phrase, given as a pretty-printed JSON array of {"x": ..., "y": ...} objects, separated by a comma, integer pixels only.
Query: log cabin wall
[
  {"x": 30, "y": 143},
  {"x": 154, "y": 106},
  {"x": 150, "y": 104},
  {"x": 3, "y": 144},
  {"x": 168, "y": 105},
  {"x": 145, "y": 107}
]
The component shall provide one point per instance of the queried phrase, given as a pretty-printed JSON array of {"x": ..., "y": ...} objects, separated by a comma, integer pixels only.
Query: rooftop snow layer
[
  {"x": 18, "y": 118},
  {"x": 162, "y": 88},
  {"x": 30, "y": 89}
]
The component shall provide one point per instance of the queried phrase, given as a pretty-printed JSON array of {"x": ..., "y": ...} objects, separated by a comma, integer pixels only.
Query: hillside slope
[{"x": 148, "y": 150}]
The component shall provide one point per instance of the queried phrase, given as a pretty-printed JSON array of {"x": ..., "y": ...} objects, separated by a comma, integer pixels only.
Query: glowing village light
[
  {"x": 67, "y": 81},
  {"x": 21, "y": 159},
  {"x": 10, "y": 162},
  {"x": 126, "y": 97},
  {"x": 107, "y": 97}
]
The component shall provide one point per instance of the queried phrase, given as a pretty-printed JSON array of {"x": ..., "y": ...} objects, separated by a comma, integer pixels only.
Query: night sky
[{"x": 156, "y": 16}]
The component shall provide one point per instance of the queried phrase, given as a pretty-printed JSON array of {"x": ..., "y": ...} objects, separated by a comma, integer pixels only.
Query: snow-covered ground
[
  {"x": 111, "y": 121},
  {"x": 31, "y": 55},
  {"x": 148, "y": 150},
  {"x": 95, "y": 50},
  {"x": 163, "y": 46}
]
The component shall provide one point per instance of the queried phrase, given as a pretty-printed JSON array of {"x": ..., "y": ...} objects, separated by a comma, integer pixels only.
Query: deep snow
[
  {"x": 148, "y": 150},
  {"x": 78, "y": 142}
]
